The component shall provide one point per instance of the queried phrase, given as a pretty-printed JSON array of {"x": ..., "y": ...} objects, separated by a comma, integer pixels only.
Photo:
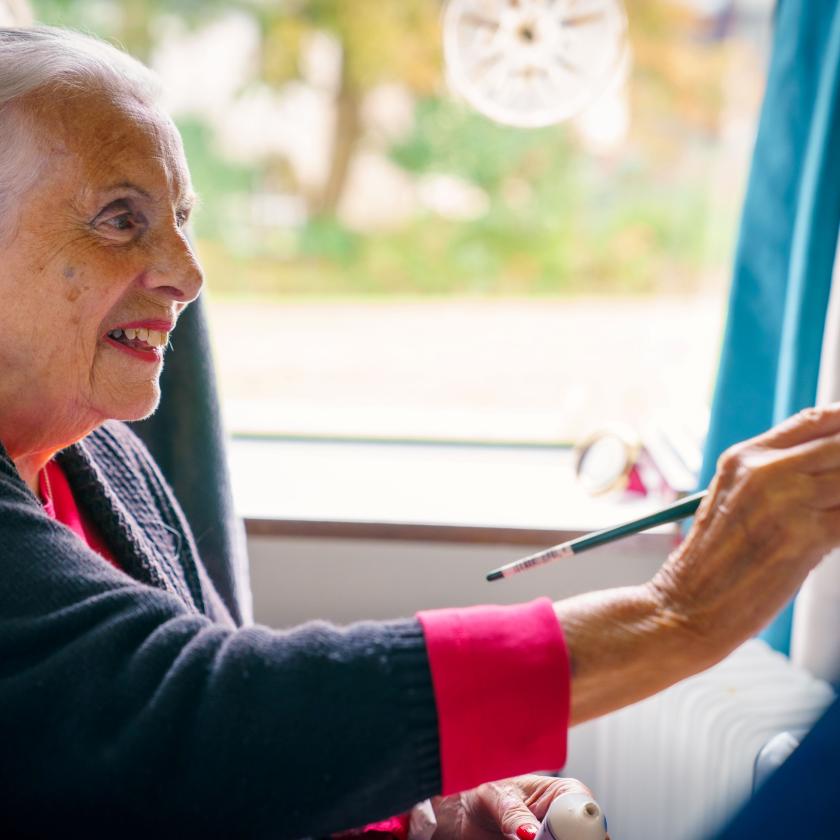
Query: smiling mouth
[
  {"x": 140, "y": 343},
  {"x": 140, "y": 339}
]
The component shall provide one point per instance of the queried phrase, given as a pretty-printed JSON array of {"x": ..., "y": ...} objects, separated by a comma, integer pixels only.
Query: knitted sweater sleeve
[{"x": 115, "y": 699}]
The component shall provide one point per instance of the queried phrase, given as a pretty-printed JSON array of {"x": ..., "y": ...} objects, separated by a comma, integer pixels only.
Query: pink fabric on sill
[{"x": 503, "y": 689}]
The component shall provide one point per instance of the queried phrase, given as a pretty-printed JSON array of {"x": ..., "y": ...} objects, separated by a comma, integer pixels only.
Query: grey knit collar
[{"x": 149, "y": 554}]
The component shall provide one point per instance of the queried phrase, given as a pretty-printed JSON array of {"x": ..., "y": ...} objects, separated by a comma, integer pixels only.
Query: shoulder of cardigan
[
  {"x": 111, "y": 474},
  {"x": 124, "y": 493},
  {"x": 9, "y": 471}
]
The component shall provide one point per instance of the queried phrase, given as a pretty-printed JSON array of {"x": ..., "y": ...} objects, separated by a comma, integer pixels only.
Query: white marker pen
[{"x": 573, "y": 816}]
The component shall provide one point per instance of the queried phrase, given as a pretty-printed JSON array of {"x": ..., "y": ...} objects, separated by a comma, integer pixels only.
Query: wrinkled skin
[
  {"x": 97, "y": 241},
  {"x": 498, "y": 809},
  {"x": 772, "y": 513}
]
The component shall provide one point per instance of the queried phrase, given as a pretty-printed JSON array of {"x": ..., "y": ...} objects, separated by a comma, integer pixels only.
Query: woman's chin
[{"x": 133, "y": 409}]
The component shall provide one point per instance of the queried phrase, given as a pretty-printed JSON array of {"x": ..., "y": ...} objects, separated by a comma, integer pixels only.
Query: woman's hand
[
  {"x": 773, "y": 511},
  {"x": 512, "y": 809}
]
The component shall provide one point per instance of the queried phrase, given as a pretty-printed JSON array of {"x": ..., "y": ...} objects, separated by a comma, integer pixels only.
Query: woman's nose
[{"x": 176, "y": 271}]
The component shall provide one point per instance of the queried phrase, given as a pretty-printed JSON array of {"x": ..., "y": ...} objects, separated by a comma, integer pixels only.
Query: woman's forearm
[{"x": 624, "y": 645}]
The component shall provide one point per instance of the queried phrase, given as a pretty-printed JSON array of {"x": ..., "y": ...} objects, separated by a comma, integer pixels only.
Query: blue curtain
[{"x": 784, "y": 261}]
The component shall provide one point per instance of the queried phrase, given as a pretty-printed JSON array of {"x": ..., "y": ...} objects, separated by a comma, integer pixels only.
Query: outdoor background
[{"x": 384, "y": 262}]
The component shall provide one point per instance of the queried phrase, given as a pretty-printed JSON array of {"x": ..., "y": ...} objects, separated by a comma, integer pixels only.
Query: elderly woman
[{"x": 129, "y": 700}]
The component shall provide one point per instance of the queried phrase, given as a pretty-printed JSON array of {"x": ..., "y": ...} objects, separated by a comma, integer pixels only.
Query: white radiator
[{"x": 675, "y": 766}]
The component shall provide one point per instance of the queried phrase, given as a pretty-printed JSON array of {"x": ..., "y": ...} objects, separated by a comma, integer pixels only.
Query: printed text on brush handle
[{"x": 555, "y": 553}]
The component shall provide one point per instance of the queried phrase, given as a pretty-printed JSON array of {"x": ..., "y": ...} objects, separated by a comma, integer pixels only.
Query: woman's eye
[{"x": 122, "y": 222}]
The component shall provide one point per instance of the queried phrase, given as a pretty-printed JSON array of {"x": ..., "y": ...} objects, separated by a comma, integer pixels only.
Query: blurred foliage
[
  {"x": 219, "y": 178},
  {"x": 129, "y": 23},
  {"x": 559, "y": 221},
  {"x": 450, "y": 138},
  {"x": 381, "y": 39}
]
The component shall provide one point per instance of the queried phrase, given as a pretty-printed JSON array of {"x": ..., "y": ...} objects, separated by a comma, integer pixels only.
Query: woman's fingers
[
  {"x": 520, "y": 804},
  {"x": 807, "y": 473},
  {"x": 810, "y": 424},
  {"x": 516, "y": 819},
  {"x": 523, "y": 803},
  {"x": 543, "y": 790},
  {"x": 770, "y": 517},
  {"x": 512, "y": 808},
  {"x": 813, "y": 456}
]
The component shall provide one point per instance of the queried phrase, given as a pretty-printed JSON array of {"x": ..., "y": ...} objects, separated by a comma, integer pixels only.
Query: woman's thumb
[{"x": 515, "y": 818}]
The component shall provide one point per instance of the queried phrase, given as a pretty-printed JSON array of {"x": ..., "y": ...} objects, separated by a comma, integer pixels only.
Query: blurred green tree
[
  {"x": 677, "y": 79},
  {"x": 558, "y": 218},
  {"x": 380, "y": 40}
]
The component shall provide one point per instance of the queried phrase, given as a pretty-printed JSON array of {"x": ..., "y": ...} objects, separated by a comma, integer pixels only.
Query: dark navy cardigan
[{"x": 131, "y": 704}]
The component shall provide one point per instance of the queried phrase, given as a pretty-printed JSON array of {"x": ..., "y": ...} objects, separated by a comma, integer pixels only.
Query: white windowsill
[{"x": 463, "y": 486}]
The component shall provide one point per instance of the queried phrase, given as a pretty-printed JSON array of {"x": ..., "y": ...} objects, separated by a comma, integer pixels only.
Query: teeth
[{"x": 154, "y": 338}]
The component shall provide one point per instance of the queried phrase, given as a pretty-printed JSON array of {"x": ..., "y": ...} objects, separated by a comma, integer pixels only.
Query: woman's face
[{"x": 96, "y": 268}]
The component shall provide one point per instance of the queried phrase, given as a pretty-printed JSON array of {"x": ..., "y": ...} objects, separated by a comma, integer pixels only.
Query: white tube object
[
  {"x": 573, "y": 816},
  {"x": 815, "y": 636}
]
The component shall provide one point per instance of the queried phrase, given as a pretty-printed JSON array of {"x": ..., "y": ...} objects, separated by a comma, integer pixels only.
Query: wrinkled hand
[
  {"x": 500, "y": 809},
  {"x": 773, "y": 511}
]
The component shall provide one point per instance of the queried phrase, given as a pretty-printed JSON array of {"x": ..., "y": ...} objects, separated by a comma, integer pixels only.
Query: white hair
[{"x": 60, "y": 62}]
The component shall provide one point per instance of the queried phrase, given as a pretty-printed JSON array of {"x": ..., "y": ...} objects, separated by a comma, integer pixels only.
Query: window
[{"x": 383, "y": 262}]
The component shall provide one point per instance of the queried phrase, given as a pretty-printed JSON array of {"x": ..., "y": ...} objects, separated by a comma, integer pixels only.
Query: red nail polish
[{"x": 526, "y": 832}]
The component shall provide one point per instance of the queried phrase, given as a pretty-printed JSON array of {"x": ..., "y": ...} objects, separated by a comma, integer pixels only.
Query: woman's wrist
[{"x": 626, "y": 644}]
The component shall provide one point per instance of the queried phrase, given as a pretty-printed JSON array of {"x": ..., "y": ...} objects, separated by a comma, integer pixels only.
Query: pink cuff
[{"x": 502, "y": 688}]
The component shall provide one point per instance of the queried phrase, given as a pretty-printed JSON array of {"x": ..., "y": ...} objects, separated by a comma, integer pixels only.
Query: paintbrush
[{"x": 673, "y": 513}]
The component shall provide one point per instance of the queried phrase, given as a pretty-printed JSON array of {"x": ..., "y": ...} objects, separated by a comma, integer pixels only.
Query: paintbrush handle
[{"x": 673, "y": 513}]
